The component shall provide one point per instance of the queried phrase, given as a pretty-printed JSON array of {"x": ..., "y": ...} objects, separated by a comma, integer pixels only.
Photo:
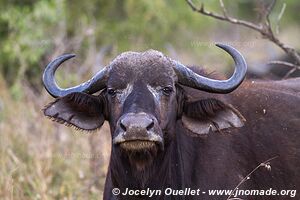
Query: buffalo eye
[
  {"x": 111, "y": 92},
  {"x": 167, "y": 90}
]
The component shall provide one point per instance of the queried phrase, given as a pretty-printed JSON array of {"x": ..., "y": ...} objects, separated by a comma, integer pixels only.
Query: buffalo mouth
[
  {"x": 140, "y": 153},
  {"x": 138, "y": 145},
  {"x": 135, "y": 143}
]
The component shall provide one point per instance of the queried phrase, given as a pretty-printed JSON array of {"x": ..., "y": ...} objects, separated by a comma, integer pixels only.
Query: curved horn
[
  {"x": 189, "y": 78},
  {"x": 91, "y": 86}
]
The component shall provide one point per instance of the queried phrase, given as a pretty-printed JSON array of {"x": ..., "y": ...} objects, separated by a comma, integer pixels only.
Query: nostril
[
  {"x": 123, "y": 127},
  {"x": 150, "y": 126}
]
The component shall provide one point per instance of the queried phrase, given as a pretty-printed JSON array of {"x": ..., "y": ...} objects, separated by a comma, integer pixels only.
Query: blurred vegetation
[
  {"x": 32, "y": 31},
  {"x": 33, "y": 161}
]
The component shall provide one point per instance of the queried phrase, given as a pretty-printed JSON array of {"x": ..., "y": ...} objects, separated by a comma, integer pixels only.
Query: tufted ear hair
[
  {"x": 77, "y": 109},
  {"x": 201, "y": 117}
]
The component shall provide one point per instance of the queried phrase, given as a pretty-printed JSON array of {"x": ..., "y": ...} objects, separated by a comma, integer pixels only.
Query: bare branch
[
  {"x": 224, "y": 18},
  {"x": 224, "y": 9},
  {"x": 279, "y": 17},
  {"x": 269, "y": 9},
  {"x": 288, "y": 64},
  {"x": 289, "y": 73},
  {"x": 265, "y": 164},
  {"x": 263, "y": 28}
]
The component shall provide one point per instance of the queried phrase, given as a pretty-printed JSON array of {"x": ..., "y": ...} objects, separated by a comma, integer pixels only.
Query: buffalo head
[{"x": 142, "y": 97}]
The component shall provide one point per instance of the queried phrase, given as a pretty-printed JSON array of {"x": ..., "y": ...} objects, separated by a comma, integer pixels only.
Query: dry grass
[{"x": 43, "y": 160}]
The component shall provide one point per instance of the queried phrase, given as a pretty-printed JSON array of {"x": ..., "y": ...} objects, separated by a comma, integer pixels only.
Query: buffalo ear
[
  {"x": 77, "y": 109},
  {"x": 206, "y": 115}
]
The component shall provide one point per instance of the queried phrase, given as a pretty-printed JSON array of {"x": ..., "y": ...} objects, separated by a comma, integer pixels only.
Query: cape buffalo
[{"x": 180, "y": 133}]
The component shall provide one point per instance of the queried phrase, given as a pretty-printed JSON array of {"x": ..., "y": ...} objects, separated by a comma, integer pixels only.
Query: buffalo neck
[{"x": 163, "y": 172}]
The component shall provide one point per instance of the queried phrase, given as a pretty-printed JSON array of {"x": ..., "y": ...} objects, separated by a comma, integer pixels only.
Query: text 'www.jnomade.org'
[{"x": 198, "y": 192}]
